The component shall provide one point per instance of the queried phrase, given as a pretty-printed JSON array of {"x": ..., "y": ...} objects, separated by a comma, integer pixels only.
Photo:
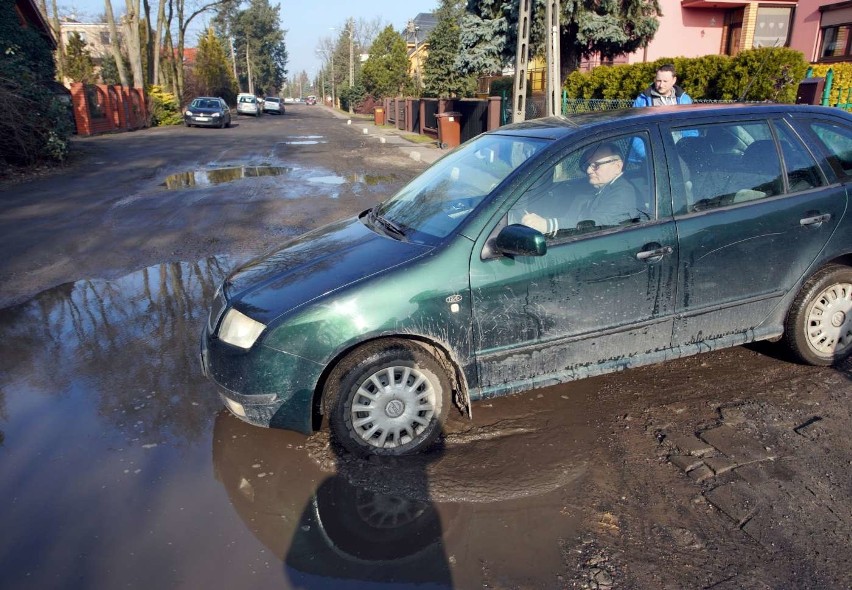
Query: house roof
[
  {"x": 419, "y": 27},
  {"x": 30, "y": 15}
]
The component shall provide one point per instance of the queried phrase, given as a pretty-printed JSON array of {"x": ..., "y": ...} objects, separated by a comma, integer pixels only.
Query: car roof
[{"x": 560, "y": 126}]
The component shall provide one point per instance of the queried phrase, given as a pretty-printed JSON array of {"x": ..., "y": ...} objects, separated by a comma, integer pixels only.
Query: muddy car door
[
  {"x": 753, "y": 211},
  {"x": 600, "y": 297}
]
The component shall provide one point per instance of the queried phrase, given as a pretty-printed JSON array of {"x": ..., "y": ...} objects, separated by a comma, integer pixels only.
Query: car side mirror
[{"x": 520, "y": 240}]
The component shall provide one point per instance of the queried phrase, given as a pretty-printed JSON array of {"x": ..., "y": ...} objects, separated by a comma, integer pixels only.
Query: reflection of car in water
[{"x": 334, "y": 531}]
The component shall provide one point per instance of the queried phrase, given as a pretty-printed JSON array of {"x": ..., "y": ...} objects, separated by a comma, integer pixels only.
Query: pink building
[{"x": 820, "y": 29}]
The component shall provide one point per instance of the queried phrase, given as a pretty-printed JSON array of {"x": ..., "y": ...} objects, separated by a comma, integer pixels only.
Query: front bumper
[
  {"x": 262, "y": 386},
  {"x": 203, "y": 120}
]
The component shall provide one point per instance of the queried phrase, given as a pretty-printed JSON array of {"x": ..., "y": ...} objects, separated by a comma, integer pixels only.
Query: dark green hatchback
[{"x": 541, "y": 253}]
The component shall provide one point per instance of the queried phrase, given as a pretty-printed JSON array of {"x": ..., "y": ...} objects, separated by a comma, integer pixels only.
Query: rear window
[
  {"x": 272, "y": 100},
  {"x": 838, "y": 141},
  {"x": 250, "y": 99}
]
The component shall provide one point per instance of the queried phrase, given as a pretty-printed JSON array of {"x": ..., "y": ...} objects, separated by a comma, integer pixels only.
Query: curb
[{"x": 427, "y": 153}]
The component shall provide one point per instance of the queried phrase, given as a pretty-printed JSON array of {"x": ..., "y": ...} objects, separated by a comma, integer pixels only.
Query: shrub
[
  {"x": 841, "y": 80},
  {"x": 34, "y": 124},
  {"x": 767, "y": 73},
  {"x": 163, "y": 107}
]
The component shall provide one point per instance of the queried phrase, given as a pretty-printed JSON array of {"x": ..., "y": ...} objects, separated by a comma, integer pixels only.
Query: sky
[{"x": 306, "y": 21}]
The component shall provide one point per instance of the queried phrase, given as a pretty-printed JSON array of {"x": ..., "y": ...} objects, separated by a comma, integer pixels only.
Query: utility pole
[
  {"x": 522, "y": 60},
  {"x": 552, "y": 85},
  {"x": 519, "y": 96}
]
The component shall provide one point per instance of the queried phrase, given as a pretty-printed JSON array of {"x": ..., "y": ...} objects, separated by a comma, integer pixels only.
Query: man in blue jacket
[{"x": 663, "y": 91}]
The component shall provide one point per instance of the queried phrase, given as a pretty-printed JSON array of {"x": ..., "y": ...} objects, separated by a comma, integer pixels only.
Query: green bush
[
  {"x": 352, "y": 96},
  {"x": 34, "y": 125},
  {"x": 163, "y": 107},
  {"x": 841, "y": 80},
  {"x": 767, "y": 73}
]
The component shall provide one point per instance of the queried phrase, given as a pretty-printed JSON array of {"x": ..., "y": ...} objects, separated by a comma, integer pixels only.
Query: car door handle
[
  {"x": 655, "y": 254},
  {"x": 815, "y": 220}
]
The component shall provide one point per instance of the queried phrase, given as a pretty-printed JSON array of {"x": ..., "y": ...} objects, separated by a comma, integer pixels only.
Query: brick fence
[{"x": 99, "y": 108}]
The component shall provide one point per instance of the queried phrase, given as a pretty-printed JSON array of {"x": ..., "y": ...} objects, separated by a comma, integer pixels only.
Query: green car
[{"x": 541, "y": 253}]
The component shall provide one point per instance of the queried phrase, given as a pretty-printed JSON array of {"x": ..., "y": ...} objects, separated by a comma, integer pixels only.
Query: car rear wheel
[
  {"x": 819, "y": 325},
  {"x": 391, "y": 398}
]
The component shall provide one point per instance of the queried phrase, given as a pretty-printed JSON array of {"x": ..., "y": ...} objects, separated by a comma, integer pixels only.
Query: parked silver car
[{"x": 247, "y": 104}]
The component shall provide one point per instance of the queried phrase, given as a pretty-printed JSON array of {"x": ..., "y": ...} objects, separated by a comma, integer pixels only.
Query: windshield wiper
[{"x": 388, "y": 225}]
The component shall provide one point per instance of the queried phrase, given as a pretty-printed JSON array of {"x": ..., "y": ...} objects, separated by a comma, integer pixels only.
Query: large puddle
[
  {"x": 206, "y": 177},
  {"x": 213, "y": 176},
  {"x": 102, "y": 387}
]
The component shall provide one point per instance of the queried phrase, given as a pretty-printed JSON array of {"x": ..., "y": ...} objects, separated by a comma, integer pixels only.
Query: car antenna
[{"x": 759, "y": 71}]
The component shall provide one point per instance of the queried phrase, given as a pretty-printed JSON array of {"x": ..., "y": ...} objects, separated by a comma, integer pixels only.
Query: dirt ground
[{"x": 727, "y": 470}]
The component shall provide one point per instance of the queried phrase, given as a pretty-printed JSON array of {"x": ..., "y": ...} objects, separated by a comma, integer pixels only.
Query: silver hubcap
[
  {"x": 393, "y": 406},
  {"x": 829, "y": 329}
]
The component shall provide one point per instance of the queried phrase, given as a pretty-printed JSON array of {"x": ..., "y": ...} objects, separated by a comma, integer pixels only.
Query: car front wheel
[
  {"x": 819, "y": 325},
  {"x": 391, "y": 398}
]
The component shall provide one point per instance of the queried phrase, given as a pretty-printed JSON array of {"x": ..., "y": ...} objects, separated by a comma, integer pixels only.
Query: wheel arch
[{"x": 322, "y": 405}]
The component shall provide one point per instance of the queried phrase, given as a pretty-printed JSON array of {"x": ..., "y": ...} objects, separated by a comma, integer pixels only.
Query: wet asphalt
[{"x": 120, "y": 469}]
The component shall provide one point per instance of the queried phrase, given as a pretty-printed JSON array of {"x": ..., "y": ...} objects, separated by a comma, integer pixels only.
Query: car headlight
[
  {"x": 188, "y": 113},
  {"x": 239, "y": 330},
  {"x": 217, "y": 114}
]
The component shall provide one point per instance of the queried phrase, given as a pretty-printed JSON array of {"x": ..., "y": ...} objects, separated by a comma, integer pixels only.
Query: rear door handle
[
  {"x": 815, "y": 220},
  {"x": 655, "y": 254}
]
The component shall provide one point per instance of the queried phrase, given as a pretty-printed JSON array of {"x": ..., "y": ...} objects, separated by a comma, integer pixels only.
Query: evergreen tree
[
  {"x": 258, "y": 34},
  {"x": 608, "y": 27},
  {"x": 385, "y": 73},
  {"x": 441, "y": 74},
  {"x": 212, "y": 70},
  {"x": 79, "y": 65}
]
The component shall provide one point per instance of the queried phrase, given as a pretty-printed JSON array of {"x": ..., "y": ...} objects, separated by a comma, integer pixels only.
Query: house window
[
  {"x": 835, "y": 42},
  {"x": 772, "y": 28},
  {"x": 104, "y": 37}
]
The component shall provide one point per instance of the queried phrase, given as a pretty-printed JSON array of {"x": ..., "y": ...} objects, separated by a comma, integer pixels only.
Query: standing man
[{"x": 663, "y": 91}]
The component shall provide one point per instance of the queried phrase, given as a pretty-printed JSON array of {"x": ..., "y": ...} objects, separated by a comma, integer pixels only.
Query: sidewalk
[{"x": 364, "y": 125}]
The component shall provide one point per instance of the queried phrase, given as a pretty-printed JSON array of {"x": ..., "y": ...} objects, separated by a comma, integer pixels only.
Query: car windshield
[
  {"x": 437, "y": 201},
  {"x": 200, "y": 103}
]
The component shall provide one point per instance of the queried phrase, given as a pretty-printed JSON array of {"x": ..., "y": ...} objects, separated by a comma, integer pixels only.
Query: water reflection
[
  {"x": 130, "y": 344},
  {"x": 221, "y": 175},
  {"x": 352, "y": 528}
]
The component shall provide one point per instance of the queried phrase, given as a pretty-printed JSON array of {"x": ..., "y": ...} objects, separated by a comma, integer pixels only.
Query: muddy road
[{"x": 119, "y": 469}]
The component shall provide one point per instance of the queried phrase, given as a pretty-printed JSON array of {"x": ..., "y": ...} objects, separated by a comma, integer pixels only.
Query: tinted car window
[
  {"x": 802, "y": 170},
  {"x": 838, "y": 142},
  {"x": 727, "y": 164},
  {"x": 600, "y": 186}
]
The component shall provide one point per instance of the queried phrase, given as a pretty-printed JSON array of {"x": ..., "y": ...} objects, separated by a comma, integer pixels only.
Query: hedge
[{"x": 765, "y": 73}]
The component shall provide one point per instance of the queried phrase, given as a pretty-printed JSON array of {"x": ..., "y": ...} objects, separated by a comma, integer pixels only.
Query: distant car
[
  {"x": 273, "y": 104},
  {"x": 247, "y": 104},
  {"x": 290, "y": 99},
  {"x": 541, "y": 253},
  {"x": 311, "y": 100},
  {"x": 207, "y": 111}
]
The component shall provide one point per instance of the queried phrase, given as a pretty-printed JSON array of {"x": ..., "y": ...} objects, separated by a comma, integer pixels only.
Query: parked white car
[{"x": 273, "y": 104}]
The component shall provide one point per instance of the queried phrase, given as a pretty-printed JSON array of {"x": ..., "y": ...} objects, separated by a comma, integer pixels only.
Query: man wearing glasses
[{"x": 613, "y": 201}]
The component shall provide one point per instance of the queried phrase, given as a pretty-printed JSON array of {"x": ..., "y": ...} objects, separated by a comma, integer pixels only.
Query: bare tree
[
  {"x": 134, "y": 47},
  {"x": 113, "y": 42}
]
